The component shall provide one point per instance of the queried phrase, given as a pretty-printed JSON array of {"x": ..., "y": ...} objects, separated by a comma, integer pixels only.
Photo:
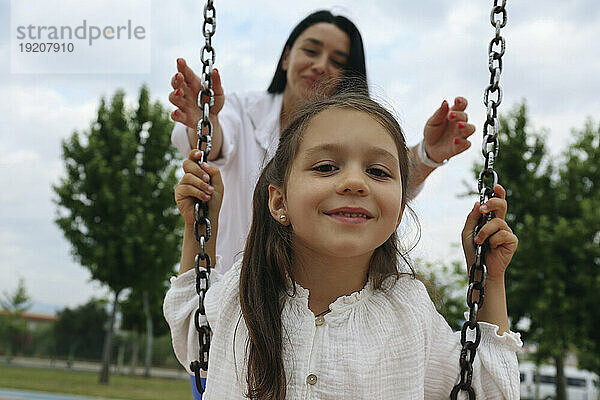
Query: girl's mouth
[{"x": 349, "y": 216}]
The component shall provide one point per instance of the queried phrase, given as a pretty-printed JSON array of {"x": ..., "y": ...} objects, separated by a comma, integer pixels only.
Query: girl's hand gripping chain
[
  {"x": 502, "y": 241},
  {"x": 502, "y": 246},
  {"x": 195, "y": 184}
]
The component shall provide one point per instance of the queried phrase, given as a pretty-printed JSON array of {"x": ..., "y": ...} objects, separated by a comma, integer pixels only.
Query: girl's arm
[
  {"x": 503, "y": 244},
  {"x": 194, "y": 184},
  {"x": 187, "y": 86}
]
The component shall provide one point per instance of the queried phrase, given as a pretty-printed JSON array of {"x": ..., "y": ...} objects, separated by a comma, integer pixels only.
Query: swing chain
[
  {"x": 202, "y": 227},
  {"x": 485, "y": 185}
]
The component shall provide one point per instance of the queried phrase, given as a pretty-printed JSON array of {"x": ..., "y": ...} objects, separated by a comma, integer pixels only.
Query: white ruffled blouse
[{"x": 374, "y": 344}]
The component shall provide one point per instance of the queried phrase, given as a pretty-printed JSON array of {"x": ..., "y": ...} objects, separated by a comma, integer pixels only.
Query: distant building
[{"x": 34, "y": 321}]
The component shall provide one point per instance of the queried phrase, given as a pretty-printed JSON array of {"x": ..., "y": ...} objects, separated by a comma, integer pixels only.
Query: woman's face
[{"x": 318, "y": 56}]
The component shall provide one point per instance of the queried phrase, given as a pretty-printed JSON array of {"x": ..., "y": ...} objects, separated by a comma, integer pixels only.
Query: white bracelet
[{"x": 424, "y": 157}]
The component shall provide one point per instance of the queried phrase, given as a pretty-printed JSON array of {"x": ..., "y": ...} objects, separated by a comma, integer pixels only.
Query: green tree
[
  {"x": 579, "y": 230},
  {"x": 80, "y": 331},
  {"x": 116, "y": 205},
  {"x": 141, "y": 303},
  {"x": 13, "y": 328},
  {"x": 551, "y": 274}
]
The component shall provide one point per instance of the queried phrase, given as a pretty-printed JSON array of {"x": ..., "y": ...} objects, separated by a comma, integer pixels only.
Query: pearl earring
[{"x": 283, "y": 218}]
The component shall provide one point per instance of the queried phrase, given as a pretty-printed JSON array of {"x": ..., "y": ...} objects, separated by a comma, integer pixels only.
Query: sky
[{"x": 418, "y": 54}]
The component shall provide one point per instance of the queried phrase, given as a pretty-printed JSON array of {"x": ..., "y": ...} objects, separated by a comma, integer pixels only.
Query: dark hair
[
  {"x": 355, "y": 67},
  {"x": 267, "y": 275}
]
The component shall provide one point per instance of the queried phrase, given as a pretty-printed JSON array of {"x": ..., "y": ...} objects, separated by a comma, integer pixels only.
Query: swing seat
[{"x": 195, "y": 392}]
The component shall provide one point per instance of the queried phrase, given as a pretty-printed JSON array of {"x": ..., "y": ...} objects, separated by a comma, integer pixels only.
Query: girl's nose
[{"x": 353, "y": 183}]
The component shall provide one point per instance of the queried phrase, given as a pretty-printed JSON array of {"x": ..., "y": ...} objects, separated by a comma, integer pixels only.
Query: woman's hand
[
  {"x": 187, "y": 85},
  {"x": 195, "y": 184},
  {"x": 447, "y": 130},
  {"x": 503, "y": 243}
]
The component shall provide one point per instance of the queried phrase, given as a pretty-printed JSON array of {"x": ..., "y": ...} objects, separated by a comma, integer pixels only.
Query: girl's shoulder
[
  {"x": 222, "y": 297},
  {"x": 405, "y": 285},
  {"x": 224, "y": 283},
  {"x": 406, "y": 293}
]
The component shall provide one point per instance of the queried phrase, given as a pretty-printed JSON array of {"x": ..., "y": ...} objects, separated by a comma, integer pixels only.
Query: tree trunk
[
  {"x": 149, "y": 335},
  {"x": 135, "y": 351},
  {"x": 106, "y": 351},
  {"x": 561, "y": 382},
  {"x": 120, "y": 357}
]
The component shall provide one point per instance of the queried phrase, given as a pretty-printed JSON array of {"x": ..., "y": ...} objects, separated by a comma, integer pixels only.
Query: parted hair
[
  {"x": 355, "y": 68},
  {"x": 267, "y": 273}
]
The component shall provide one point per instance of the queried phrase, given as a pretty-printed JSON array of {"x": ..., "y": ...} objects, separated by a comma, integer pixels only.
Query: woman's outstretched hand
[
  {"x": 186, "y": 88},
  {"x": 503, "y": 242},
  {"x": 195, "y": 184},
  {"x": 447, "y": 130}
]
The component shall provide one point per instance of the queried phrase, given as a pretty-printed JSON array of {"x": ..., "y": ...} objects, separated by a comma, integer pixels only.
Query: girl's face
[
  {"x": 318, "y": 55},
  {"x": 344, "y": 190}
]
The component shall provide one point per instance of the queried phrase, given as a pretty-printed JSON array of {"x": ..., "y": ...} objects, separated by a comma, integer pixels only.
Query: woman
[{"x": 323, "y": 48}]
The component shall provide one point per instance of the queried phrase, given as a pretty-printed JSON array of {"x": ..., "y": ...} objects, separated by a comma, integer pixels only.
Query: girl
[
  {"x": 323, "y": 305},
  {"x": 323, "y": 48}
]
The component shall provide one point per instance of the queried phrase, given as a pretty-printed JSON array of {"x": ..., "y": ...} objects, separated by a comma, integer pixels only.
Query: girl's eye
[
  {"x": 378, "y": 172},
  {"x": 325, "y": 168},
  {"x": 310, "y": 52},
  {"x": 337, "y": 64}
]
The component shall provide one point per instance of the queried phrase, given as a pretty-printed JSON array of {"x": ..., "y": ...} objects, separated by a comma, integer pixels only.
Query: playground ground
[{"x": 31, "y": 379}]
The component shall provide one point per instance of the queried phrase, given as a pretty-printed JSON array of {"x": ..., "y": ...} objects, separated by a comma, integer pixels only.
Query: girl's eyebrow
[
  {"x": 337, "y": 149},
  {"x": 317, "y": 42}
]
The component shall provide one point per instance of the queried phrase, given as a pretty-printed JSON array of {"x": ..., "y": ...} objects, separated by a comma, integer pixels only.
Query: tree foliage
[
  {"x": 553, "y": 209},
  {"x": 13, "y": 328},
  {"x": 79, "y": 332},
  {"x": 116, "y": 201}
]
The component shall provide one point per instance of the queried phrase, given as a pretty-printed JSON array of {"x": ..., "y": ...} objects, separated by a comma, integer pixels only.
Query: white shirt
[
  {"x": 250, "y": 124},
  {"x": 372, "y": 345}
]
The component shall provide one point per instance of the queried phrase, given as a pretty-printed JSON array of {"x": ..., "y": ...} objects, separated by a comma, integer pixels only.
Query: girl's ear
[
  {"x": 277, "y": 205},
  {"x": 285, "y": 61}
]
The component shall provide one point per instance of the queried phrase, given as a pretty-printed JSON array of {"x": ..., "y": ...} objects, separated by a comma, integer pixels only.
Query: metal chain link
[
  {"x": 485, "y": 184},
  {"x": 204, "y": 130}
]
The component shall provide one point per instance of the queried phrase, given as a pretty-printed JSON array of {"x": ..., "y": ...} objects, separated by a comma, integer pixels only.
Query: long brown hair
[{"x": 267, "y": 262}]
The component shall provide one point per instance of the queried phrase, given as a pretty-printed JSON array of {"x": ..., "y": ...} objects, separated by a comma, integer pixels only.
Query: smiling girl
[{"x": 323, "y": 304}]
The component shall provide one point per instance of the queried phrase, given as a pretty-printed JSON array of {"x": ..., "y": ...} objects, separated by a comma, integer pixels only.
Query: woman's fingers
[
  {"x": 460, "y": 104},
  {"x": 464, "y": 130},
  {"x": 192, "y": 80},
  {"x": 457, "y": 116}
]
